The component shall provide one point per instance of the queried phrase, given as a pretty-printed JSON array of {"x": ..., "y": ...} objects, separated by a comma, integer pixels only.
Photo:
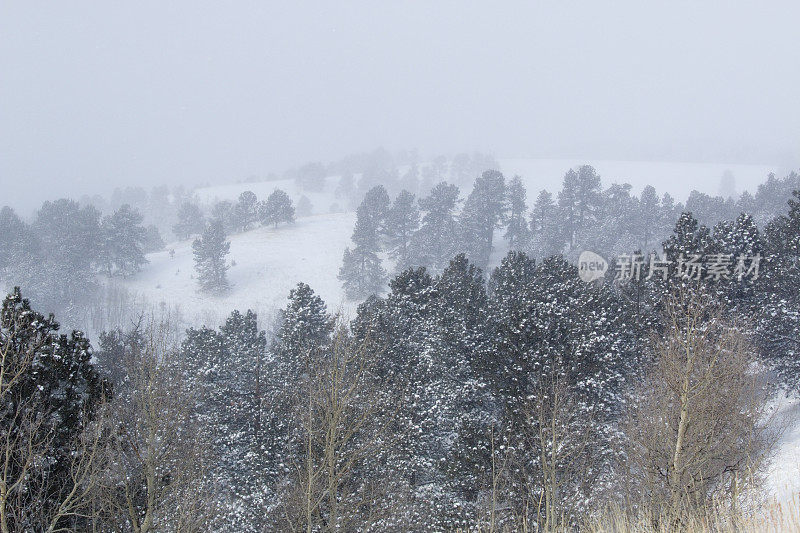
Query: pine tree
[
  {"x": 483, "y": 212},
  {"x": 361, "y": 272},
  {"x": 548, "y": 325},
  {"x": 400, "y": 328},
  {"x": 546, "y": 235},
  {"x": 304, "y": 327},
  {"x": 377, "y": 204},
  {"x": 152, "y": 240},
  {"x": 71, "y": 234},
  {"x": 401, "y": 223},
  {"x": 614, "y": 229},
  {"x": 190, "y": 221},
  {"x": 579, "y": 202},
  {"x": 50, "y": 395},
  {"x": 517, "y": 233},
  {"x": 433, "y": 245},
  {"x": 688, "y": 238},
  {"x": 647, "y": 225},
  {"x": 16, "y": 242},
  {"x": 778, "y": 316},
  {"x": 276, "y": 209},
  {"x": 209, "y": 258},
  {"x": 224, "y": 211},
  {"x": 63, "y": 278},
  {"x": 123, "y": 241},
  {"x": 245, "y": 213}
]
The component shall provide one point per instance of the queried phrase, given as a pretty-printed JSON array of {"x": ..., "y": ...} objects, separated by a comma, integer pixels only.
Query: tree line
[{"x": 527, "y": 398}]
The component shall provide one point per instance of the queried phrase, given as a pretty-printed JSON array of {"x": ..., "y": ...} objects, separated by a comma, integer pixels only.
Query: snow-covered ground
[
  {"x": 784, "y": 474},
  {"x": 267, "y": 263}
]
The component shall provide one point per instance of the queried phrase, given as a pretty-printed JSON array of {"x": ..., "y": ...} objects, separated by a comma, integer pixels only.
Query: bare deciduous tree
[
  {"x": 341, "y": 426},
  {"x": 698, "y": 431},
  {"x": 157, "y": 457}
]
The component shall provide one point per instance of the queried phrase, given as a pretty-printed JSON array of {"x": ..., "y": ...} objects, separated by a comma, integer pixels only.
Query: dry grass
[
  {"x": 768, "y": 518},
  {"x": 774, "y": 517}
]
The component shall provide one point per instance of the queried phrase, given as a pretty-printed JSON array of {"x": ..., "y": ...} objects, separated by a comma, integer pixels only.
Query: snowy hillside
[
  {"x": 321, "y": 201},
  {"x": 267, "y": 263}
]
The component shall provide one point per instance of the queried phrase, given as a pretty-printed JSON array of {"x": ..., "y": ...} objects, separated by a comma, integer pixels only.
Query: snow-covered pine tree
[
  {"x": 361, "y": 272},
  {"x": 483, "y": 212},
  {"x": 276, "y": 209},
  {"x": 123, "y": 241},
  {"x": 224, "y": 211},
  {"x": 190, "y": 221},
  {"x": 209, "y": 258},
  {"x": 71, "y": 241},
  {"x": 152, "y": 239},
  {"x": 579, "y": 202},
  {"x": 647, "y": 224},
  {"x": 688, "y": 238},
  {"x": 377, "y": 204},
  {"x": 50, "y": 394},
  {"x": 434, "y": 244},
  {"x": 16, "y": 242},
  {"x": 402, "y": 221},
  {"x": 467, "y": 413},
  {"x": 549, "y": 328},
  {"x": 517, "y": 232},
  {"x": 779, "y": 317},
  {"x": 245, "y": 212},
  {"x": 303, "y": 328},
  {"x": 400, "y": 328},
  {"x": 546, "y": 236},
  {"x": 613, "y": 231}
]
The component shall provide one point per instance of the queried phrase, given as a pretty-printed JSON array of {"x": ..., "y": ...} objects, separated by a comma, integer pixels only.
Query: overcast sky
[{"x": 94, "y": 94}]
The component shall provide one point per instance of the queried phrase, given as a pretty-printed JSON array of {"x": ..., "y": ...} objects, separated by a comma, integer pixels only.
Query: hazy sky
[{"x": 94, "y": 94}]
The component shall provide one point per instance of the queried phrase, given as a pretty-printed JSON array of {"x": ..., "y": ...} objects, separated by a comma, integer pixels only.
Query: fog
[{"x": 99, "y": 94}]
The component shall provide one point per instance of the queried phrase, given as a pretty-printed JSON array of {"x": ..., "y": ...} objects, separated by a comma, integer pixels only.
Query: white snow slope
[{"x": 266, "y": 263}]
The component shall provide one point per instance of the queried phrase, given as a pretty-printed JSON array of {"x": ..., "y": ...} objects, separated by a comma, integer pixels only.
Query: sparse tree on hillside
[
  {"x": 277, "y": 209},
  {"x": 546, "y": 237},
  {"x": 246, "y": 211},
  {"x": 123, "y": 241},
  {"x": 361, "y": 273},
  {"x": 209, "y": 258},
  {"x": 190, "y": 221},
  {"x": 224, "y": 211}
]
